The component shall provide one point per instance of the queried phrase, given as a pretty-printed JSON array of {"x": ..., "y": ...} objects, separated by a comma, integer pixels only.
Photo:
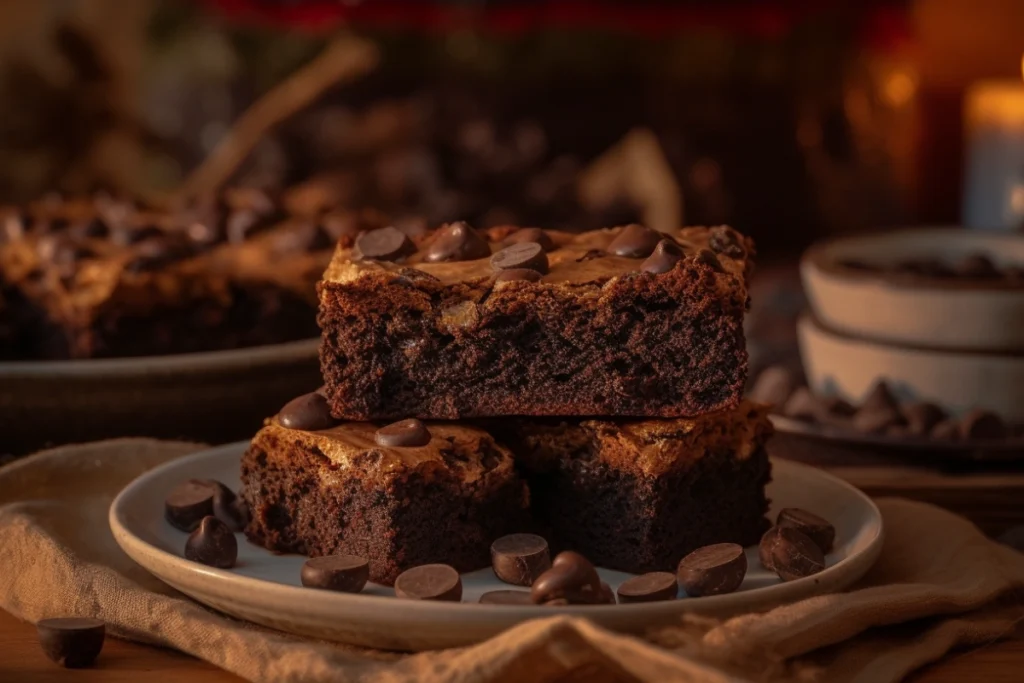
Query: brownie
[
  {"x": 614, "y": 322},
  {"x": 637, "y": 496},
  {"x": 337, "y": 491},
  {"x": 100, "y": 277}
]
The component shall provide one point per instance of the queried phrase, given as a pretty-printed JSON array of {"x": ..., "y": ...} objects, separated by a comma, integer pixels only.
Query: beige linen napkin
[{"x": 57, "y": 557}]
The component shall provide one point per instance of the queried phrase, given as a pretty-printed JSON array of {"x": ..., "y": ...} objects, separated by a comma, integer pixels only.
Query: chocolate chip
[
  {"x": 308, "y": 412},
  {"x": 518, "y": 274},
  {"x": 520, "y": 558},
  {"x": 664, "y": 258},
  {"x": 708, "y": 258},
  {"x": 879, "y": 411},
  {"x": 811, "y": 525},
  {"x": 188, "y": 503},
  {"x": 724, "y": 240},
  {"x": 982, "y": 424},
  {"x": 528, "y": 255},
  {"x": 537, "y": 235},
  {"x": 71, "y": 642},
  {"x": 571, "y": 577},
  {"x": 802, "y": 405},
  {"x": 921, "y": 417},
  {"x": 650, "y": 587},
  {"x": 404, "y": 434},
  {"x": 212, "y": 544},
  {"x": 429, "y": 582},
  {"x": 457, "y": 242},
  {"x": 773, "y": 386},
  {"x": 506, "y": 597},
  {"x": 384, "y": 244},
  {"x": 344, "y": 573},
  {"x": 635, "y": 241},
  {"x": 712, "y": 570},
  {"x": 790, "y": 553},
  {"x": 227, "y": 507},
  {"x": 880, "y": 398}
]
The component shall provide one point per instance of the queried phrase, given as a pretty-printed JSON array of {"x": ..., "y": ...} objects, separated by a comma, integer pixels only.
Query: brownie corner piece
[{"x": 335, "y": 491}]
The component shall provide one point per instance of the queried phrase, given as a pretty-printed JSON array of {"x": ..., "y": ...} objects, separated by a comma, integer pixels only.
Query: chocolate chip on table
[
  {"x": 707, "y": 257},
  {"x": 457, "y": 242},
  {"x": 506, "y": 597},
  {"x": 773, "y": 386},
  {"x": 384, "y": 244},
  {"x": 188, "y": 503},
  {"x": 529, "y": 255},
  {"x": 212, "y": 544},
  {"x": 650, "y": 587},
  {"x": 790, "y": 554},
  {"x": 537, "y": 235},
  {"x": 404, "y": 434},
  {"x": 344, "y": 573},
  {"x": 921, "y": 417},
  {"x": 572, "y": 578},
  {"x": 429, "y": 582},
  {"x": 518, "y": 274},
  {"x": 724, "y": 240},
  {"x": 635, "y": 241},
  {"x": 663, "y": 259},
  {"x": 519, "y": 559},
  {"x": 712, "y": 570},
  {"x": 982, "y": 424},
  {"x": 308, "y": 412},
  {"x": 816, "y": 528},
  {"x": 71, "y": 642}
]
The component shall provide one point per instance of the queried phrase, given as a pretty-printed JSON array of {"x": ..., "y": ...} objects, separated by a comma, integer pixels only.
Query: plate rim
[{"x": 436, "y": 610}]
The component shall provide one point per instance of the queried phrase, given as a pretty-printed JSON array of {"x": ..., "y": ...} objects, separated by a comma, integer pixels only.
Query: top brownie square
[{"x": 617, "y": 322}]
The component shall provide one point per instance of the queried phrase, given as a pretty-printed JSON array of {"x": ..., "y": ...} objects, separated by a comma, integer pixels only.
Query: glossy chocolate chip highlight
[
  {"x": 429, "y": 582},
  {"x": 188, "y": 503},
  {"x": 71, "y": 642},
  {"x": 712, "y": 570},
  {"x": 212, "y": 544},
  {"x": 635, "y": 241},
  {"x": 308, "y": 412},
  {"x": 384, "y": 244},
  {"x": 790, "y": 554},
  {"x": 410, "y": 433},
  {"x": 816, "y": 528},
  {"x": 650, "y": 587},
  {"x": 525, "y": 255},
  {"x": 457, "y": 242},
  {"x": 519, "y": 559},
  {"x": 572, "y": 578},
  {"x": 343, "y": 573},
  {"x": 665, "y": 257}
]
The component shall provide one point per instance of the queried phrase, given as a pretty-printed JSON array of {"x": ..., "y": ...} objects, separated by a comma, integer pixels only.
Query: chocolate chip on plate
[
  {"x": 188, "y": 503},
  {"x": 650, "y": 587},
  {"x": 308, "y": 412},
  {"x": 227, "y": 507},
  {"x": 506, "y": 597},
  {"x": 529, "y": 255},
  {"x": 663, "y": 259},
  {"x": 816, "y": 528},
  {"x": 571, "y": 578},
  {"x": 773, "y": 386},
  {"x": 384, "y": 244},
  {"x": 212, "y": 544},
  {"x": 724, "y": 240},
  {"x": 457, "y": 242},
  {"x": 790, "y": 554},
  {"x": 802, "y": 405},
  {"x": 403, "y": 434},
  {"x": 712, "y": 570},
  {"x": 537, "y": 235},
  {"x": 72, "y": 642},
  {"x": 429, "y": 582},
  {"x": 520, "y": 558},
  {"x": 344, "y": 573},
  {"x": 635, "y": 241},
  {"x": 921, "y": 417},
  {"x": 982, "y": 424},
  {"x": 518, "y": 274},
  {"x": 878, "y": 412}
]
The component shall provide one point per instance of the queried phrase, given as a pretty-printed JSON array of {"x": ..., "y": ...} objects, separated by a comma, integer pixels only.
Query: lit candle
[{"x": 994, "y": 191}]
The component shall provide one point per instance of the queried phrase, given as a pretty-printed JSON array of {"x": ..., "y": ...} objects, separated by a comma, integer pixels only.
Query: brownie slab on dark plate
[
  {"x": 624, "y": 321},
  {"x": 638, "y": 496},
  {"x": 338, "y": 490}
]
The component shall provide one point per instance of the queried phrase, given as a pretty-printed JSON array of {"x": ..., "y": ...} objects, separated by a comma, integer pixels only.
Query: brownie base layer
[
  {"x": 637, "y": 523},
  {"x": 642, "y": 345},
  {"x": 396, "y": 524}
]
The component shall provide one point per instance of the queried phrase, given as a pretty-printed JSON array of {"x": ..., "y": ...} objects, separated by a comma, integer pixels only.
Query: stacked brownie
[{"x": 599, "y": 372}]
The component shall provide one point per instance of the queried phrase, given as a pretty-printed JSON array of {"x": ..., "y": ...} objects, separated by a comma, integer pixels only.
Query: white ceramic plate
[{"x": 265, "y": 588}]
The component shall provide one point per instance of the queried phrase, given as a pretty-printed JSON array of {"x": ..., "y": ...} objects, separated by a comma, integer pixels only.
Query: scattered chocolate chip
[
  {"x": 308, "y": 412},
  {"x": 724, "y": 240},
  {"x": 529, "y": 255},
  {"x": 188, "y": 503},
  {"x": 344, "y": 573},
  {"x": 404, "y": 434},
  {"x": 811, "y": 525},
  {"x": 663, "y": 259},
  {"x": 836, "y": 406},
  {"x": 707, "y": 257},
  {"x": 384, "y": 244},
  {"x": 518, "y": 274},
  {"x": 457, "y": 242},
  {"x": 976, "y": 266},
  {"x": 506, "y": 597},
  {"x": 802, "y": 405},
  {"x": 921, "y": 417},
  {"x": 537, "y": 235},
  {"x": 879, "y": 411},
  {"x": 946, "y": 430},
  {"x": 773, "y": 386},
  {"x": 571, "y": 577},
  {"x": 712, "y": 570},
  {"x": 227, "y": 507},
  {"x": 71, "y": 642},
  {"x": 429, "y": 582},
  {"x": 520, "y": 558},
  {"x": 982, "y": 424},
  {"x": 880, "y": 398},
  {"x": 790, "y": 553},
  {"x": 650, "y": 587},
  {"x": 635, "y": 241},
  {"x": 212, "y": 544}
]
